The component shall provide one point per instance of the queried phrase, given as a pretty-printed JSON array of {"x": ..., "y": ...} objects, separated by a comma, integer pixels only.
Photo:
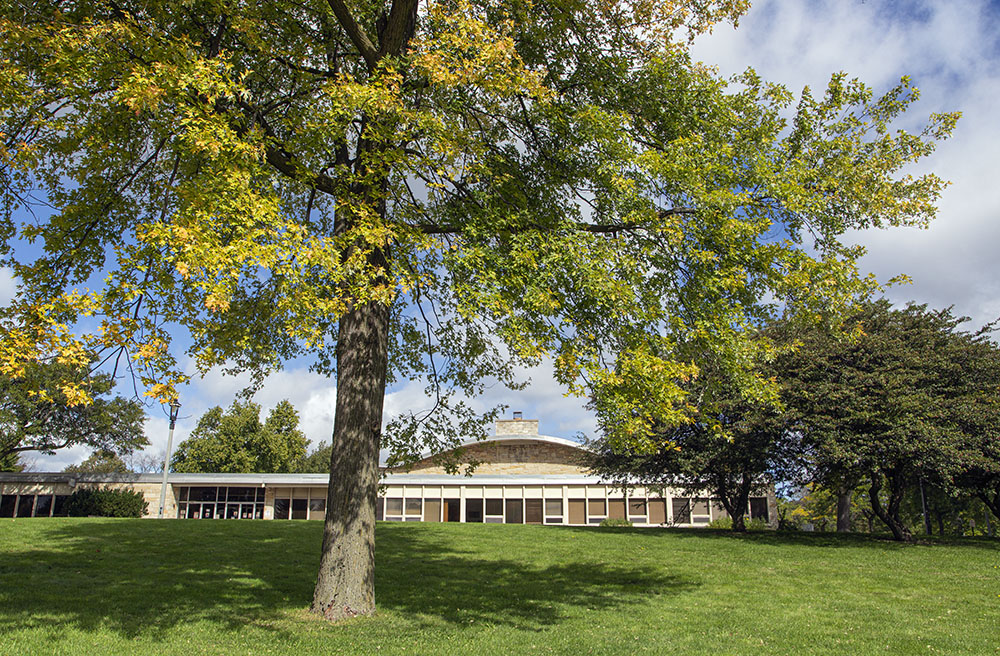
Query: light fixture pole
[{"x": 175, "y": 407}]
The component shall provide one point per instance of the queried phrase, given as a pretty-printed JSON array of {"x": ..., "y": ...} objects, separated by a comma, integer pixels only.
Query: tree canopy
[
  {"x": 99, "y": 462},
  {"x": 905, "y": 395},
  {"x": 236, "y": 441},
  {"x": 37, "y": 414},
  {"x": 443, "y": 191}
]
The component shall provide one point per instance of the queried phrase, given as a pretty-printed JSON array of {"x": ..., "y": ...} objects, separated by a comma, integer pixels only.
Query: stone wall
[{"x": 512, "y": 457}]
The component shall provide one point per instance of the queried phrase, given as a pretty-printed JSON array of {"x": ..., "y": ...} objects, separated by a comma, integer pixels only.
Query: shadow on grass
[
  {"x": 802, "y": 538},
  {"x": 144, "y": 578}
]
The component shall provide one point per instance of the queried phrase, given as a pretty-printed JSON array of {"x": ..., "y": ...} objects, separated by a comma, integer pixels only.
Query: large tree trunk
[
  {"x": 889, "y": 513},
  {"x": 844, "y": 510},
  {"x": 346, "y": 584}
]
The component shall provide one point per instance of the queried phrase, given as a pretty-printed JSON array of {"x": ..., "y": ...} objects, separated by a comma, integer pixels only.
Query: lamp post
[{"x": 175, "y": 407}]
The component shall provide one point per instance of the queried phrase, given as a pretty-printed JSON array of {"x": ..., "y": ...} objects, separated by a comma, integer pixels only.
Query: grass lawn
[{"x": 92, "y": 586}]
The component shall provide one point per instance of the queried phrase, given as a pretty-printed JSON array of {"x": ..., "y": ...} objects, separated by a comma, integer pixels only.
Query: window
[
  {"x": 515, "y": 512},
  {"x": 59, "y": 509},
  {"x": 24, "y": 505},
  {"x": 281, "y": 508},
  {"x": 553, "y": 507},
  {"x": 533, "y": 511},
  {"x": 636, "y": 507},
  {"x": 7, "y": 503},
  {"x": 394, "y": 506},
  {"x": 413, "y": 506},
  {"x": 317, "y": 508},
  {"x": 758, "y": 509},
  {"x": 379, "y": 509},
  {"x": 473, "y": 510},
  {"x": 597, "y": 508},
  {"x": 494, "y": 506},
  {"x": 616, "y": 508},
  {"x": 300, "y": 508},
  {"x": 681, "y": 510}
]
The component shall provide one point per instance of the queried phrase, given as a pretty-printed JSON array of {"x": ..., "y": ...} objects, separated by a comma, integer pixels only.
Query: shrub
[
  {"x": 615, "y": 522},
  {"x": 106, "y": 503},
  {"x": 721, "y": 522}
]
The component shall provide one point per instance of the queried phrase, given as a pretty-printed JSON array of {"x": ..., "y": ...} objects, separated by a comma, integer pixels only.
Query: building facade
[{"x": 521, "y": 477}]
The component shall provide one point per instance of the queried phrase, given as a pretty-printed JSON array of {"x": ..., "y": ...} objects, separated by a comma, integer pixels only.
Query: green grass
[{"x": 90, "y": 586}]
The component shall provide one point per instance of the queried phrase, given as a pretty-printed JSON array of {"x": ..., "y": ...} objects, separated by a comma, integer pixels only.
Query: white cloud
[
  {"x": 950, "y": 50},
  {"x": 8, "y": 285}
]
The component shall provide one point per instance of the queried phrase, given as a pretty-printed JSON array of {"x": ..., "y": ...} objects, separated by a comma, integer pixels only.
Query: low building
[{"x": 521, "y": 477}]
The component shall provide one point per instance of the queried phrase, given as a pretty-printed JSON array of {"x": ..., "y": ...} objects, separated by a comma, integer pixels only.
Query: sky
[{"x": 950, "y": 50}]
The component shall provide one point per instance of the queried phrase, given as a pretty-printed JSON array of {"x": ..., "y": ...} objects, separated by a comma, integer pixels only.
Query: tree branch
[{"x": 354, "y": 32}]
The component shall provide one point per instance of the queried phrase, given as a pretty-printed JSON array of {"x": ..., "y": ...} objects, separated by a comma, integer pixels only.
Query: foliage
[
  {"x": 732, "y": 448},
  {"x": 100, "y": 462},
  {"x": 106, "y": 502},
  {"x": 905, "y": 395},
  {"x": 615, "y": 522},
  {"x": 37, "y": 412},
  {"x": 317, "y": 462},
  {"x": 236, "y": 441},
  {"x": 11, "y": 463},
  {"x": 442, "y": 192}
]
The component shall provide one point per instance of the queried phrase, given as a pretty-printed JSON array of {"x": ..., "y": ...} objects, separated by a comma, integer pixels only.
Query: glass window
[
  {"x": 25, "y": 504},
  {"x": 43, "y": 505},
  {"x": 474, "y": 510},
  {"x": 60, "y": 505},
  {"x": 494, "y": 506},
  {"x": 281, "y": 508},
  {"x": 242, "y": 494},
  {"x": 7, "y": 503},
  {"x": 300, "y": 508},
  {"x": 533, "y": 511},
  {"x": 681, "y": 510},
  {"x": 183, "y": 494},
  {"x": 553, "y": 507},
  {"x": 394, "y": 506},
  {"x": 413, "y": 506},
  {"x": 758, "y": 509},
  {"x": 317, "y": 508},
  {"x": 596, "y": 508},
  {"x": 700, "y": 507},
  {"x": 207, "y": 510},
  {"x": 379, "y": 509},
  {"x": 232, "y": 511},
  {"x": 515, "y": 513},
  {"x": 636, "y": 507},
  {"x": 203, "y": 493}
]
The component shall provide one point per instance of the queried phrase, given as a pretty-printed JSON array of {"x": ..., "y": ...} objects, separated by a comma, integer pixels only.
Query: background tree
[
  {"x": 100, "y": 462},
  {"x": 732, "y": 448},
  {"x": 237, "y": 442},
  {"x": 38, "y": 414},
  {"x": 890, "y": 402},
  {"x": 446, "y": 191},
  {"x": 318, "y": 461}
]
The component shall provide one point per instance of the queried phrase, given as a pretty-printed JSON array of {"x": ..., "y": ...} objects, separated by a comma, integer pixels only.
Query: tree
[
  {"x": 899, "y": 398},
  {"x": 444, "y": 192},
  {"x": 237, "y": 442},
  {"x": 100, "y": 462},
  {"x": 36, "y": 413},
  {"x": 731, "y": 449},
  {"x": 318, "y": 461}
]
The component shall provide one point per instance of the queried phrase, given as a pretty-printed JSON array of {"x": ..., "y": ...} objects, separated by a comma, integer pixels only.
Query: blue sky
[{"x": 951, "y": 50}]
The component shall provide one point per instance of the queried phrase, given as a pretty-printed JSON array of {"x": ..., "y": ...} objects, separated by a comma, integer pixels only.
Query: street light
[{"x": 175, "y": 407}]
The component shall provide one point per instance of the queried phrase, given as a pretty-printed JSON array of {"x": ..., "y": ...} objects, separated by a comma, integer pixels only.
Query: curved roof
[{"x": 549, "y": 439}]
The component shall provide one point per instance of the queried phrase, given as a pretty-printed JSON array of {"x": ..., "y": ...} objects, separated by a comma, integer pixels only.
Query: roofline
[{"x": 265, "y": 480}]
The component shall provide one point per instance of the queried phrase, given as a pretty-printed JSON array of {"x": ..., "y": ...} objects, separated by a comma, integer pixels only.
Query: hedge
[{"x": 106, "y": 503}]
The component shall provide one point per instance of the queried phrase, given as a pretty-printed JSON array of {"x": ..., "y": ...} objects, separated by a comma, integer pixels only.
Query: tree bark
[
  {"x": 346, "y": 584},
  {"x": 844, "y": 510},
  {"x": 889, "y": 514}
]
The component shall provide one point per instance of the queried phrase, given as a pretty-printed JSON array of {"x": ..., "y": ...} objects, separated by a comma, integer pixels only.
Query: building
[{"x": 522, "y": 477}]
